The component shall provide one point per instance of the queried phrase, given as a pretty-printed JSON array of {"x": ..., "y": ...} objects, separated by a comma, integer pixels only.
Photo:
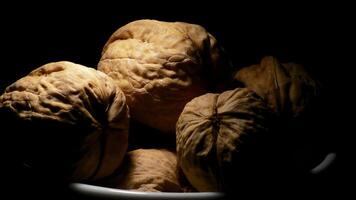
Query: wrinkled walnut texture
[
  {"x": 79, "y": 106},
  {"x": 160, "y": 66},
  {"x": 214, "y": 131},
  {"x": 148, "y": 170},
  {"x": 286, "y": 87}
]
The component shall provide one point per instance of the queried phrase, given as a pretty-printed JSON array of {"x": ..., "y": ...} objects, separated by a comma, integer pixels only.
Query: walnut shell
[
  {"x": 148, "y": 170},
  {"x": 296, "y": 96},
  {"x": 160, "y": 66},
  {"x": 71, "y": 120},
  {"x": 219, "y": 136},
  {"x": 287, "y": 87}
]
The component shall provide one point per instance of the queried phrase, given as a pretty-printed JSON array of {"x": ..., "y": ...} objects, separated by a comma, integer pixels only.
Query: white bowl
[{"x": 97, "y": 192}]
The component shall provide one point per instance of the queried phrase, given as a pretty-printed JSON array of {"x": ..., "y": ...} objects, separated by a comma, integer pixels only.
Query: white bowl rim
[{"x": 111, "y": 193}]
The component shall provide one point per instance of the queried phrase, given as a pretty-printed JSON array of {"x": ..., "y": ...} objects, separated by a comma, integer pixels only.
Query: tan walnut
[
  {"x": 296, "y": 96},
  {"x": 286, "y": 87},
  {"x": 70, "y": 121},
  {"x": 147, "y": 170},
  {"x": 219, "y": 136},
  {"x": 160, "y": 66}
]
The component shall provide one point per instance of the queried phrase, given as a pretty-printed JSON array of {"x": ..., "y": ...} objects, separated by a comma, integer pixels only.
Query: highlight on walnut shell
[
  {"x": 67, "y": 121},
  {"x": 147, "y": 170},
  {"x": 160, "y": 66},
  {"x": 222, "y": 137},
  {"x": 286, "y": 87}
]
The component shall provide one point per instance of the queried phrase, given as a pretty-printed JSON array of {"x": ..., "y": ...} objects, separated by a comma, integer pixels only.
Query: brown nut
[
  {"x": 70, "y": 121},
  {"x": 148, "y": 170},
  {"x": 160, "y": 66},
  {"x": 286, "y": 87},
  {"x": 222, "y": 136},
  {"x": 291, "y": 91}
]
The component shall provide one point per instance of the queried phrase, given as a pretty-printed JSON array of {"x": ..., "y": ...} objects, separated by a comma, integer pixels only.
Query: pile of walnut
[{"x": 173, "y": 81}]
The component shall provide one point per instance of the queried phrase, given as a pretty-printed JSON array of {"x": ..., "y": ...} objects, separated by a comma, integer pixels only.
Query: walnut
[
  {"x": 296, "y": 96},
  {"x": 286, "y": 87},
  {"x": 222, "y": 136},
  {"x": 148, "y": 170},
  {"x": 70, "y": 121},
  {"x": 160, "y": 66}
]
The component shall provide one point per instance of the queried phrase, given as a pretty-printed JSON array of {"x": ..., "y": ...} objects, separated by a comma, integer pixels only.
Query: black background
[
  {"x": 315, "y": 35},
  {"x": 318, "y": 36}
]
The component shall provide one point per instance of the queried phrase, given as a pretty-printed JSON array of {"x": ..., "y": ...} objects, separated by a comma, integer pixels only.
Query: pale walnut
[
  {"x": 160, "y": 66},
  {"x": 148, "y": 170},
  {"x": 67, "y": 121},
  {"x": 286, "y": 87},
  {"x": 221, "y": 138}
]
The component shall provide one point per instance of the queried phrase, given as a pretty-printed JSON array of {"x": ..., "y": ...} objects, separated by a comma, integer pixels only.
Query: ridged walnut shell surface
[
  {"x": 148, "y": 170},
  {"x": 160, "y": 66},
  {"x": 286, "y": 87},
  {"x": 218, "y": 135},
  {"x": 68, "y": 117},
  {"x": 297, "y": 97}
]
